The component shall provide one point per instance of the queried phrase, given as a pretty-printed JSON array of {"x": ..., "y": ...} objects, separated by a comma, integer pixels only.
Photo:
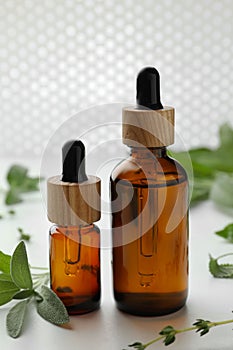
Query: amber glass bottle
[
  {"x": 74, "y": 239},
  {"x": 75, "y": 266},
  {"x": 149, "y": 217}
]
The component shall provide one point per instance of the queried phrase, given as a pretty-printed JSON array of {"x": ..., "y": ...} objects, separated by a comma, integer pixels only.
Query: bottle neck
[{"x": 145, "y": 153}]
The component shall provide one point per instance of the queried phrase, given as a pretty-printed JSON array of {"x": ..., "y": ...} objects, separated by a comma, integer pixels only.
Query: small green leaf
[
  {"x": 170, "y": 338},
  {"x": 12, "y": 197},
  {"x": 7, "y": 291},
  {"x": 5, "y": 261},
  {"x": 5, "y": 277},
  {"x": 137, "y": 345},
  {"x": 23, "y": 294},
  {"x": 24, "y": 236},
  {"x": 51, "y": 307},
  {"x": 220, "y": 270},
  {"x": 226, "y": 233},
  {"x": 11, "y": 212},
  {"x": 166, "y": 330},
  {"x": 16, "y": 175},
  {"x": 222, "y": 190},
  {"x": 15, "y": 319},
  {"x": 20, "y": 271}
]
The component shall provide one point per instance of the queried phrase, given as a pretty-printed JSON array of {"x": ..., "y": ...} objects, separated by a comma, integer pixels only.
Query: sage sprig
[
  {"x": 168, "y": 334},
  {"x": 19, "y": 284}
]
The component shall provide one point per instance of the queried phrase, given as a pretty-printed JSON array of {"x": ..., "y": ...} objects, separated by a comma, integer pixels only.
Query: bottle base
[
  {"x": 150, "y": 304},
  {"x": 81, "y": 305}
]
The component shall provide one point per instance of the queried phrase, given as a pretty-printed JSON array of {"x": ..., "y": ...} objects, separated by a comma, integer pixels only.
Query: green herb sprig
[
  {"x": 212, "y": 170},
  {"x": 19, "y": 182},
  {"x": 168, "y": 334},
  {"x": 17, "y": 283}
]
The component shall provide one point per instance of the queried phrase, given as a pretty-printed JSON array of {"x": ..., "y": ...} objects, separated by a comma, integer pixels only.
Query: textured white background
[{"x": 60, "y": 56}]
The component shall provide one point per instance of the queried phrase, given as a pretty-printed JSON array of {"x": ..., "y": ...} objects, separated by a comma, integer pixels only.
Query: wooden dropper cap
[
  {"x": 74, "y": 198},
  {"x": 149, "y": 124}
]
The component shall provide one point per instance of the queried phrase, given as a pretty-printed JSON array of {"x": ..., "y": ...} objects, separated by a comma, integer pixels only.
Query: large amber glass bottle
[
  {"x": 73, "y": 207},
  {"x": 150, "y": 233},
  {"x": 149, "y": 198}
]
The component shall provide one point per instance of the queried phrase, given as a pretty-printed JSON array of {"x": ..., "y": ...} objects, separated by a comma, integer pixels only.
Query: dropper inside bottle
[{"x": 73, "y": 156}]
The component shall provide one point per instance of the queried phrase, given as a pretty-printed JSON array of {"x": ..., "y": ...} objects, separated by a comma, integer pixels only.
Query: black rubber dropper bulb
[
  {"x": 73, "y": 158},
  {"x": 148, "y": 89}
]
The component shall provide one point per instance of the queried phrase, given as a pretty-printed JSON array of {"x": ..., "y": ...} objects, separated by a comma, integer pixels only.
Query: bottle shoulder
[
  {"x": 64, "y": 230},
  {"x": 153, "y": 170}
]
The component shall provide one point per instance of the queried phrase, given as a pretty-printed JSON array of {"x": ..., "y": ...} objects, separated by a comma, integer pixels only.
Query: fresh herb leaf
[
  {"x": 19, "y": 182},
  {"x": 222, "y": 190},
  {"x": 5, "y": 277},
  {"x": 24, "y": 236},
  {"x": 137, "y": 345},
  {"x": 11, "y": 212},
  {"x": 23, "y": 294},
  {"x": 16, "y": 175},
  {"x": 170, "y": 335},
  {"x": 7, "y": 291},
  {"x": 226, "y": 233},
  {"x": 20, "y": 271},
  {"x": 12, "y": 197},
  {"x": 15, "y": 318},
  {"x": 220, "y": 270},
  {"x": 5, "y": 262},
  {"x": 51, "y": 307},
  {"x": 211, "y": 170}
]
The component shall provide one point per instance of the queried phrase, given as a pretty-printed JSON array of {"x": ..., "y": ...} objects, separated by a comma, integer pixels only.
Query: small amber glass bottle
[
  {"x": 149, "y": 212},
  {"x": 74, "y": 204}
]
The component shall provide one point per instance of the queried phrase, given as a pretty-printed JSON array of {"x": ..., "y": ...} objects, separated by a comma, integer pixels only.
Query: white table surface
[{"x": 108, "y": 328}]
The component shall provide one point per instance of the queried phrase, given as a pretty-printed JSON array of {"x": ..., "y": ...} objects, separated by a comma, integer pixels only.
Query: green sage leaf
[
  {"x": 15, "y": 319},
  {"x": 220, "y": 270},
  {"x": 226, "y": 233},
  {"x": 23, "y": 294},
  {"x": 5, "y": 262},
  {"x": 7, "y": 291},
  {"x": 20, "y": 271},
  {"x": 51, "y": 307}
]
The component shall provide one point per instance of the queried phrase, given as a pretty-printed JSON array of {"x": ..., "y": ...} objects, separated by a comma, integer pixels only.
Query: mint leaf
[
  {"x": 51, "y": 307},
  {"x": 222, "y": 190},
  {"x": 220, "y": 270},
  {"x": 20, "y": 271},
  {"x": 226, "y": 233},
  {"x": 23, "y": 294},
  {"x": 12, "y": 197},
  {"x": 226, "y": 136},
  {"x": 15, "y": 319},
  {"x": 19, "y": 182},
  {"x": 16, "y": 175},
  {"x": 7, "y": 291},
  {"x": 5, "y": 262}
]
